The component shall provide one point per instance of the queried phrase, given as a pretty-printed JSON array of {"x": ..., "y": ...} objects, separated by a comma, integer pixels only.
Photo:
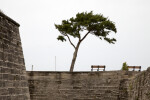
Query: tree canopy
[{"x": 95, "y": 24}]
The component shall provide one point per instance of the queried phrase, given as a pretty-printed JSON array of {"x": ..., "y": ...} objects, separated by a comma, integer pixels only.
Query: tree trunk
[{"x": 74, "y": 57}]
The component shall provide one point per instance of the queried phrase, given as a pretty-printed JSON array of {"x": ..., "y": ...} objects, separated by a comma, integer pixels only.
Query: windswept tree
[{"x": 81, "y": 26}]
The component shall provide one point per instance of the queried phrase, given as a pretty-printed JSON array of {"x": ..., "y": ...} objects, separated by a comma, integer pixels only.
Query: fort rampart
[
  {"x": 17, "y": 84},
  {"x": 104, "y": 85},
  {"x": 13, "y": 82}
]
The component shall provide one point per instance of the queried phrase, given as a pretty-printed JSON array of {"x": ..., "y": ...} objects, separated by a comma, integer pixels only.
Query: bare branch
[
  {"x": 70, "y": 41},
  {"x": 85, "y": 36}
]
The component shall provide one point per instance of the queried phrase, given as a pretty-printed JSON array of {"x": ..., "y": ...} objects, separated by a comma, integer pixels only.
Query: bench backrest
[
  {"x": 98, "y": 66},
  {"x": 134, "y": 67}
]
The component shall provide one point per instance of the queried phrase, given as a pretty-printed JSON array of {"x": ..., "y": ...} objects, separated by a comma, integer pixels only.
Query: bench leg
[{"x": 98, "y": 69}]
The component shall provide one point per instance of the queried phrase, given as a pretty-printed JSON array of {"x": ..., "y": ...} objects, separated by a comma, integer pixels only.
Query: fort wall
[
  {"x": 103, "y": 85},
  {"x": 46, "y": 85},
  {"x": 139, "y": 87},
  {"x": 13, "y": 81}
]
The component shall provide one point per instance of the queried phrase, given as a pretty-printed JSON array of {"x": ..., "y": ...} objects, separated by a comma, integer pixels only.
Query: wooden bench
[
  {"x": 134, "y": 67},
  {"x": 98, "y": 67}
]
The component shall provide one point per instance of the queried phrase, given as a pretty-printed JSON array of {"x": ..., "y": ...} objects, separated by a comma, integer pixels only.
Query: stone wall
[
  {"x": 13, "y": 83},
  {"x": 139, "y": 87},
  {"x": 109, "y": 85},
  {"x": 78, "y": 85}
]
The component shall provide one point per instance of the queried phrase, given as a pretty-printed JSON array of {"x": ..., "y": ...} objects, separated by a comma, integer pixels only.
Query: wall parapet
[{"x": 76, "y": 85}]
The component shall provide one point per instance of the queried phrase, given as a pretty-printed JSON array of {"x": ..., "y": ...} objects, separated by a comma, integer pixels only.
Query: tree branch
[
  {"x": 85, "y": 36},
  {"x": 70, "y": 41}
]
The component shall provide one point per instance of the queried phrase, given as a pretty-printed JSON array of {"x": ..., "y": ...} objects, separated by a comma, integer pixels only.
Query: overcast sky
[{"x": 40, "y": 46}]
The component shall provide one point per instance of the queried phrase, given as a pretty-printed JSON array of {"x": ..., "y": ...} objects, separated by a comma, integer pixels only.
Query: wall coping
[
  {"x": 119, "y": 71},
  {"x": 9, "y": 19}
]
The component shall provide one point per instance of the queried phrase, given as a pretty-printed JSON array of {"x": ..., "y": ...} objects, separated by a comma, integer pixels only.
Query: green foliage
[
  {"x": 81, "y": 26},
  {"x": 94, "y": 24},
  {"x": 124, "y": 66},
  {"x": 61, "y": 38}
]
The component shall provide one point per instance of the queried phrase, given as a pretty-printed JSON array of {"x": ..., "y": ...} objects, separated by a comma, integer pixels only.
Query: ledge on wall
[{"x": 8, "y": 18}]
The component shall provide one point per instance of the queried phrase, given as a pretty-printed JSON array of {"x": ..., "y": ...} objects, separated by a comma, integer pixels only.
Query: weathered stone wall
[
  {"x": 13, "y": 82},
  {"x": 139, "y": 87},
  {"x": 77, "y": 85},
  {"x": 111, "y": 85}
]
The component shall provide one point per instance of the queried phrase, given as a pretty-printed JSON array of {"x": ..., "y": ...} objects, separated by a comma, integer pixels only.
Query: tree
[
  {"x": 84, "y": 24},
  {"x": 124, "y": 66}
]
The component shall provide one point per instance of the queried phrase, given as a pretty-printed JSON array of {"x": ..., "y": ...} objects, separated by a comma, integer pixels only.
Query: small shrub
[{"x": 124, "y": 66}]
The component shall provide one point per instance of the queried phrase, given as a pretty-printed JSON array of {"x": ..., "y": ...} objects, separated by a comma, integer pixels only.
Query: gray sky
[{"x": 38, "y": 34}]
